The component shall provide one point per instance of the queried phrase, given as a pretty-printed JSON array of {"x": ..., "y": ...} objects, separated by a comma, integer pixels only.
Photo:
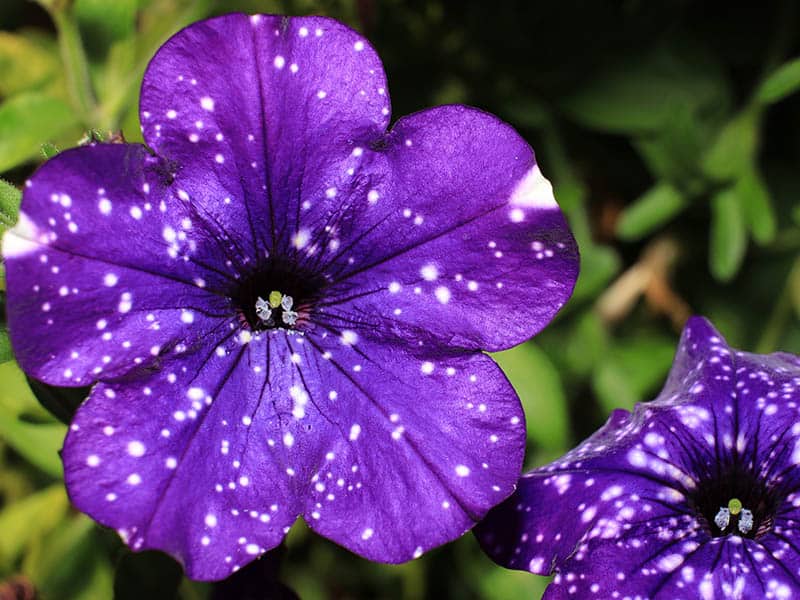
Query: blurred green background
[{"x": 671, "y": 131}]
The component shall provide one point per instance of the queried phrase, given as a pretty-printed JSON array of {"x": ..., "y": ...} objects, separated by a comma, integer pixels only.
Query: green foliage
[
  {"x": 757, "y": 206},
  {"x": 653, "y": 209},
  {"x": 734, "y": 149},
  {"x": 29, "y": 519},
  {"x": 5, "y": 346},
  {"x": 26, "y": 121},
  {"x": 644, "y": 92},
  {"x": 633, "y": 371},
  {"x": 783, "y": 81},
  {"x": 28, "y": 61},
  {"x": 539, "y": 387},
  {"x": 728, "y": 240},
  {"x": 49, "y": 150},
  {"x": 36, "y": 441}
]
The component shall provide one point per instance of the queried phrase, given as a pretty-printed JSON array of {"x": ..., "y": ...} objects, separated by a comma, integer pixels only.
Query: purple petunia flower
[
  {"x": 283, "y": 306},
  {"x": 694, "y": 495}
]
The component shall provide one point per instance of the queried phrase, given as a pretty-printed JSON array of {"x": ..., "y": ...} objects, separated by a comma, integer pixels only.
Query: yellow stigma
[
  {"x": 275, "y": 299},
  {"x": 735, "y": 506}
]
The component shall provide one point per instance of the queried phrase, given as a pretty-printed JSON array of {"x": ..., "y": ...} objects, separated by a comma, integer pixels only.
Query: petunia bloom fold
[
  {"x": 694, "y": 495},
  {"x": 283, "y": 305}
]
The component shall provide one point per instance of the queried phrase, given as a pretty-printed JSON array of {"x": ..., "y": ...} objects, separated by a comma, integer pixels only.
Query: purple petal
[
  {"x": 721, "y": 568},
  {"x": 261, "y": 128},
  {"x": 465, "y": 225},
  {"x": 188, "y": 460},
  {"x": 212, "y": 457},
  {"x": 93, "y": 266},
  {"x": 415, "y": 447}
]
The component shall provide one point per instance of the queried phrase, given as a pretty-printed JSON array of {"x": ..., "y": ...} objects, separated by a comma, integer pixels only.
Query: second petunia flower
[
  {"x": 283, "y": 306},
  {"x": 695, "y": 495}
]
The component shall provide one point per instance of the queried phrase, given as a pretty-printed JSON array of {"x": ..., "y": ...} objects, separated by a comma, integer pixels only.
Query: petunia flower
[
  {"x": 694, "y": 495},
  {"x": 283, "y": 305}
]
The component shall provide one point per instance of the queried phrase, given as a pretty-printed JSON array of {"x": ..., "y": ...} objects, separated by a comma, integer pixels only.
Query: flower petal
[
  {"x": 413, "y": 447},
  {"x": 722, "y": 568},
  {"x": 99, "y": 263},
  {"x": 588, "y": 495},
  {"x": 250, "y": 109},
  {"x": 388, "y": 463},
  {"x": 188, "y": 460},
  {"x": 462, "y": 240}
]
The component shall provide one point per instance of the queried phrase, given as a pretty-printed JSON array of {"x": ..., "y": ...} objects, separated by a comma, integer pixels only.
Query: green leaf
[
  {"x": 505, "y": 583},
  {"x": 757, "y": 204},
  {"x": 538, "y": 385},
  {"x": 650, "y": 211},
  {"x": 37, "y": 443},
  {"x": 28, "y": 120},
  {"x": 10, "y": 197},
  {"x": 734, "y": 149},
  {"x": 780, "y": 83},
  {"x": 24, "y": 521},
  {"x": 16, "y": 398},
  {"x": 632, "y": 371},
  {"x": 102, "y": 22},
  {"x": 27, "y": 61},
  {"x": 644, "y": 91},
  {"x": 586, "y": 344},
  {"x": 599, "y": 264},
  {"x": 728, "y": 237},
  {"x": 674, "y": 153},
  {"x": 59, "y": 563}
]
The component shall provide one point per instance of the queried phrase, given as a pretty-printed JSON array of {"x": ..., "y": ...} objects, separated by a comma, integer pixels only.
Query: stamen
[
  {"x": 263, "y": 310},
  {"x": 745, "y": 521},
  {"x": 723, "y": 518}
]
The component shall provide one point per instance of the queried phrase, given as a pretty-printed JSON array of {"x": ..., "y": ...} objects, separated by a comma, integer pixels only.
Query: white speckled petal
[
  {"x": 371, "y": 445},
  {"x": 721, "y": 569},
  {"x": 255, "y": 117},
  {"x": 462, "y": 224},
  {"x": 104, "y": 266},
  {"x": 189, "y": 459},
  {"x": 415, "y": 447}
]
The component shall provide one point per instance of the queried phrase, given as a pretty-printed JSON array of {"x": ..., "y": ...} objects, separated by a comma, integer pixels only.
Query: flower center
[
  {"x": 276, "y": 298},
  {"x": 735, "y": 511},
  {"x": 735, "y": 503},
  {"x": 276, "y": 309}
]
